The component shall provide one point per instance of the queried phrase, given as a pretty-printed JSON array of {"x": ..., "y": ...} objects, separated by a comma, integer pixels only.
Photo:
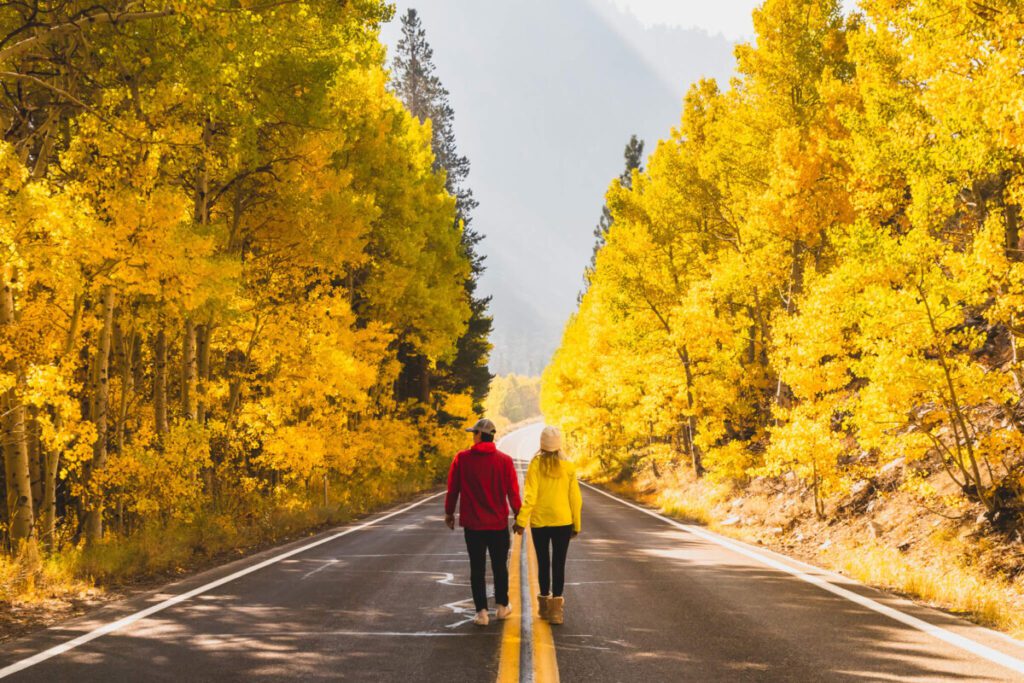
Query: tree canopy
[
  {"x": 224, "y": 238},
  {"x": 819, "y": 271}
]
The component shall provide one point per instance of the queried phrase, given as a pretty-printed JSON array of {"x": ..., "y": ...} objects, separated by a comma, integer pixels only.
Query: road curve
[{"x": 647, "y": 599}]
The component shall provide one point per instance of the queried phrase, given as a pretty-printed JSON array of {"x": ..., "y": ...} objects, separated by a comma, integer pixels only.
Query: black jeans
[
  {"x": 551, "y": 569},
  {"x": 479, "y": 543}
]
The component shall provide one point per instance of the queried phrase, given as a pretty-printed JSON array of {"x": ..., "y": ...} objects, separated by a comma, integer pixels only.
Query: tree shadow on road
[{"x": 322, "y": 615}]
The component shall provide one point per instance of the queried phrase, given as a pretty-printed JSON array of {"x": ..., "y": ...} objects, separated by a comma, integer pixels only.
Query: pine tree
[
  {"x": 633, "y": 155},
  {"x": 416, "y": 84}
]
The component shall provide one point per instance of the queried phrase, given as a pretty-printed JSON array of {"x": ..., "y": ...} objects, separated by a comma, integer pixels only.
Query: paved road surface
[{"x": 388, "y": 600}]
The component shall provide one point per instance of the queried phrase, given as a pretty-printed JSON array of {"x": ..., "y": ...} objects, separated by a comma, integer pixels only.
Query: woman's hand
[
  {"x": 517, "y": 529},
  {"x": 449, "y": 521},
  {"x": 574, "y": 534}
]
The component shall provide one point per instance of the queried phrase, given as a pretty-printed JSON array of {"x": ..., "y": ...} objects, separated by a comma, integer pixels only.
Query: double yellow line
[
  {"x": 511, "y": 641},
  {"x": 526, "y": 627}
]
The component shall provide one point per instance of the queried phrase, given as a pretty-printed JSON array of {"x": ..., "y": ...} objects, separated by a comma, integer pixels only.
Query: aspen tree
[
  {"x": 831, "y": 249},
  {"x": 17, "y": 471},
  {"x": 215, "y": 277}
]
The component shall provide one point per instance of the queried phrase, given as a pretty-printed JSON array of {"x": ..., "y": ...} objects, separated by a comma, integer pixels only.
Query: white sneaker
[
  {"x": 503, "y": 612},
  {"x": 481, "y": 618}
]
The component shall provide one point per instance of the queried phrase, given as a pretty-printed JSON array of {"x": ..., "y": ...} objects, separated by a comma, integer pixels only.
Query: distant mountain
[
  {"x": 546, "y": 94},
  {"x": 530, "y": 333}
]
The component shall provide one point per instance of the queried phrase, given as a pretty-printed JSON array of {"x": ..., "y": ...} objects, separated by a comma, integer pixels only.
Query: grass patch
[
  {"x": 178, "y": 546},
  {"x": 689, "y": 505},
  {"x": 29, "y": 577}
]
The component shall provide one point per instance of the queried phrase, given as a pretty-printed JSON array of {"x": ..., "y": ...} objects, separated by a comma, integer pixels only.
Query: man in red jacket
[{"x": 486, "y": 480}]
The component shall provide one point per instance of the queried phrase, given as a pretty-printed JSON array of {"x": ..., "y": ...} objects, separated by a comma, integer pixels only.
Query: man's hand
[
  {"x": 450, "y": 521},
  {"x": 517, "y": 529},
  {"x": 574, "y": 534}
]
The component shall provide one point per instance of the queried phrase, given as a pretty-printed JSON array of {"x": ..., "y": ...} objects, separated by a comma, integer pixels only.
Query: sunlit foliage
[
  {"x": 820, "y": 270},
  {"x": 512, "y": 399},
  {"x": 217, "y": 227}
]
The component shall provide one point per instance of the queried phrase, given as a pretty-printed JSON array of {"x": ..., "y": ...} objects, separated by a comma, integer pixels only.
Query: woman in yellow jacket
[{"x": 551, "y": 508}]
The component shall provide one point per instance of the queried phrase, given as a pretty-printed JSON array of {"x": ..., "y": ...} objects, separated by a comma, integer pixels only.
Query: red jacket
[{"x": 486, "y": 479}]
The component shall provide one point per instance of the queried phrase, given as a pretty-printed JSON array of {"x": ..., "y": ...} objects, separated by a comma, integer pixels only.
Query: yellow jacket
[{"x": 551, "y": 501}]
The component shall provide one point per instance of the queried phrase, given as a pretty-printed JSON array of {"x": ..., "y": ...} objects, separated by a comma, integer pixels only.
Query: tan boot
[
  {"x": 543, "y": 603},
  {"x": 556, "y": 610}
]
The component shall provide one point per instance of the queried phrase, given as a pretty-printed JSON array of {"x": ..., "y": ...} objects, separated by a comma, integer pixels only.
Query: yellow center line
[
  {"x": 545, "y": 662},
  {"x": 508, "y": 667},
  {"x": 537, "y": 654}
]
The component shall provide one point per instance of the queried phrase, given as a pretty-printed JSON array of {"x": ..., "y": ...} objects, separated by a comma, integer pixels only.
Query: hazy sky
[
  {"x": 730, "y": 18},
  {"x": 546, "y": 94}
]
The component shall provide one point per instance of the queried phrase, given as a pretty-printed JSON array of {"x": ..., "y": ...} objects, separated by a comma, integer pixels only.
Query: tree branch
[{"x": 101, "y": 17}]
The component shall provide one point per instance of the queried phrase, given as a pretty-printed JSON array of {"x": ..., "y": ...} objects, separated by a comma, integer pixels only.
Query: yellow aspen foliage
[
  {"x": 217, "y": 228},
  {"x": 819, "y": 273}
]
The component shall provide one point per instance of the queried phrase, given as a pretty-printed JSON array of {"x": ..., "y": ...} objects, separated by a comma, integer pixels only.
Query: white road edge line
[
  {"x": 178, "y": 599},
  {"x": 942, "y": 634}
]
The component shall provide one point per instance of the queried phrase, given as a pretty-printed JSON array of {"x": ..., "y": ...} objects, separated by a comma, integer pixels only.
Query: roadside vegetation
[
  {"x": 512, "y": 399},
  {"x": 237, "y": 282},
  {"x": 808, "y": 299}
]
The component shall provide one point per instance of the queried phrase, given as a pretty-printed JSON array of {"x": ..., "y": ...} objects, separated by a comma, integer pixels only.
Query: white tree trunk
[
  {"x": 15, "y": 443},
  {"x": 99, "y": 413}
]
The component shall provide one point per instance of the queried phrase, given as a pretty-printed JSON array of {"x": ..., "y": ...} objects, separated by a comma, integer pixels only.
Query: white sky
[{"x": 730, "y": 18}]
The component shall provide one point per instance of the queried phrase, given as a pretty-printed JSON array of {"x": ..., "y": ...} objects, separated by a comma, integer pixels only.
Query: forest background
[{"x": 513, "y": 399}]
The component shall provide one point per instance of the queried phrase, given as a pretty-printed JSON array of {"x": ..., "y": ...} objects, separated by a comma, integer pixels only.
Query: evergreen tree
[
  {"x": 416, "y": 84},
  {"x": 633, "y": 154}
]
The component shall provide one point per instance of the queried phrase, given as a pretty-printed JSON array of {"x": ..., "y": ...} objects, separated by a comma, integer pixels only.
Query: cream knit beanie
[{"x": 551, "y": 439}]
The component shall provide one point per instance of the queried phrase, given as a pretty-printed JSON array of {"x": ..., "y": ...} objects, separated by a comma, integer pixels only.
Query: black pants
[
  {"x": 551, "y": 568},
  {"x": 479, "y": 543}
]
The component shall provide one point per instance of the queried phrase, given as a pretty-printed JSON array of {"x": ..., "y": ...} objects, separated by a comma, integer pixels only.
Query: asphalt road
[
  {"x": 387, "y": 603},
  {"x": 388, "y": 600}
]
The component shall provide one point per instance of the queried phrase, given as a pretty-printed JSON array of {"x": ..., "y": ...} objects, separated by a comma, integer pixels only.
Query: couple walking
[{"x": 482, "y": 480}]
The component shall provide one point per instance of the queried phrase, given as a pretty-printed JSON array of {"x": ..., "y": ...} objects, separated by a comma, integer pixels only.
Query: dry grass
[
  {"x": 33, "y": 583},
  {"x": 943, "y": 582},
  {"x": 690, "y": 504},
  {"x": 159, "y": 551},
  {"x": 29, "y": 577},
  {"x": 38, "y": 591}
]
